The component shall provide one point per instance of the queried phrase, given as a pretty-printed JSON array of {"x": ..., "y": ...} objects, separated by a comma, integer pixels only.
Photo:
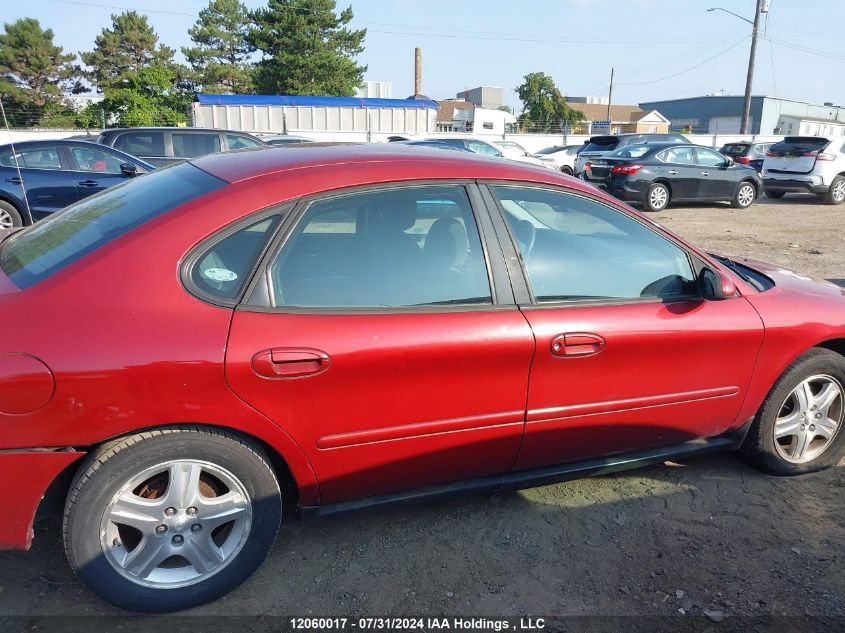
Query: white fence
[{"x": 531, "y": 142}]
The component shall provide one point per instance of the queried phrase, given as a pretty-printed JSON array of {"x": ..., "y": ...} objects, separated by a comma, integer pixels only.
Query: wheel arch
[
  {"x": 294, "y": 490},
  {"x": 835, "y": 345}
]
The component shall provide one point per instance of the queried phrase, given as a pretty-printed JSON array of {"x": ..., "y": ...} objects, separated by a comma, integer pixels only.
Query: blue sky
[{"x": 660, "y": 48}]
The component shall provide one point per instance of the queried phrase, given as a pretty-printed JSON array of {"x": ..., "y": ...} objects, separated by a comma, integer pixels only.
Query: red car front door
[
  {"x": 627, "y": 356},
  {"x": 380, "y": 347}
]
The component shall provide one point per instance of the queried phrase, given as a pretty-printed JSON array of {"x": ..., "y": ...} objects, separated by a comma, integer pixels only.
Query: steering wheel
[{"x": 526, "y": 234}]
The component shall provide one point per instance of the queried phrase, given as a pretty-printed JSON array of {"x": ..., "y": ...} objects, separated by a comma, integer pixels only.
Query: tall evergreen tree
[
  {"x": 141, "y": 83},
  {"x": 33, "y": 72},
  {"x": 307, "y": 48},
  {"x": 221, "y": 57},
  {"x": 544, "y": 108},
  {"x": 128, "y": 46}
]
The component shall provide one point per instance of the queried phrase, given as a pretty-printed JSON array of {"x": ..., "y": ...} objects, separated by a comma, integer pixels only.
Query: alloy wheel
[
  {"x": 658, "y": 197},
  {"x": 6, "y": 221},
  {"x": 745, "y": 195},
  {"x": 176, "y": 524},
  {"x": 809, "y": 419},
  {"x": 838, "y": 192}
]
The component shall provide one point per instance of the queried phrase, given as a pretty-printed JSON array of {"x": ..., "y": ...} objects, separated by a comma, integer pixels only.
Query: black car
[
  {"x": 747, "y": 153},
  {"x": 165, "y": 145},
  {"x": 38, "y": 178},
  {"x": 604, "y": 145},
  {"x": 656, "y": 175}
]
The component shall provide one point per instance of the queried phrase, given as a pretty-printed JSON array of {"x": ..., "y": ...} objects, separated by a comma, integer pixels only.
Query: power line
[{"x": 686, "y": 70}]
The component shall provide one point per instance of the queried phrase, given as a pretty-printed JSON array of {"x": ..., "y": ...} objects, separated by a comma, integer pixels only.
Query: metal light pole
[{"x": 762, "y": 7}]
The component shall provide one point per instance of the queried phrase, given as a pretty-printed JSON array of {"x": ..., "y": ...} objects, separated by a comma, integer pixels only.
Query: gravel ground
[{"x": 709, "y": 533}]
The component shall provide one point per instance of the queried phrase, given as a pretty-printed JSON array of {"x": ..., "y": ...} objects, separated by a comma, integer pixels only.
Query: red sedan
[{"x": 340, "y": 327}]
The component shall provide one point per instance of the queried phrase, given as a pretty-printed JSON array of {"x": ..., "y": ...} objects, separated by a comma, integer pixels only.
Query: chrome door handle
[
  {"x": 705, "y": 173},
  {"x": 576, "y": 344},
  {"x": 672, "y": 172}
]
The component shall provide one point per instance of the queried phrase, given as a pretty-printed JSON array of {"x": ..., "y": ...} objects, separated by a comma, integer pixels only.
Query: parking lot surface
[{"x": 709, "y": 533}]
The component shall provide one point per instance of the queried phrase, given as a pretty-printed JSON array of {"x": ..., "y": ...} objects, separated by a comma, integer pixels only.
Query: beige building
[{"x": 623, "y": 118}]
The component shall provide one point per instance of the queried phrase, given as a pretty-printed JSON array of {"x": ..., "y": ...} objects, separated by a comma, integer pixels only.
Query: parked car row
[{"x": 38, "y": 178}]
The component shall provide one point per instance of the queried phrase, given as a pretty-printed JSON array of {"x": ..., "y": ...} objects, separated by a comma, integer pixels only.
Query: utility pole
[
  {"x": 609, "y": 101},
  {"x": 746, "y": 104}
]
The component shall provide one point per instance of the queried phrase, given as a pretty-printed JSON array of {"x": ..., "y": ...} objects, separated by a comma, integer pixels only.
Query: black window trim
[
  {"x": 195, "y": 254},
  {"x": 500, "y": 287},
  {"x": 521, "y": 278}
]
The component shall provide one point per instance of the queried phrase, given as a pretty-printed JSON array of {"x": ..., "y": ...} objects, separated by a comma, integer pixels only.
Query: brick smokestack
[{"x": 417, "y": 71}]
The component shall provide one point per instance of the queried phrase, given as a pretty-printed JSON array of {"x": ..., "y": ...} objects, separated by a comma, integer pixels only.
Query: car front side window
[
  {"x": 577, "y": 249},
  {"x": 416, "y": 246},
  {"x": 709, "y": 158}
]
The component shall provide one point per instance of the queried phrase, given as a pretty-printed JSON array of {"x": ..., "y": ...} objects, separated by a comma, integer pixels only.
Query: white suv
[{"x": 806, "y": 164}]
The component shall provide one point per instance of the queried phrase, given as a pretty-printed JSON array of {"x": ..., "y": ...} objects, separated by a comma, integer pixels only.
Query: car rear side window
[
  {"x": 65, "y": 237},
  {"x": 577, "y": 249},
  {"x": 416, "y": 246},
  {"x": 41, "y": 157},
  {"x": 222, "y": 270},
  {"x": 146, "y": 144},
  {"x": 192, "y": 144}
]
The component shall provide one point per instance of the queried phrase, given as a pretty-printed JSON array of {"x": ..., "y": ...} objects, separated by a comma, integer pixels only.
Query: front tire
[
  {"x": 744, "y": 196},
  {"x": 798, "y": 429},
  {"x": 836, "y": 193},
  {"x": 657, "y": 197},
  {"x": 170, "y": 519},
  {"x": 9, "y": 216}
]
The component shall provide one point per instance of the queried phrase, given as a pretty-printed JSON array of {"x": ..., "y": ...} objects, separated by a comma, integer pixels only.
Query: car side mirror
[
  {"x": 713, "y": 285},
  {"x": 128, "y": 169}
]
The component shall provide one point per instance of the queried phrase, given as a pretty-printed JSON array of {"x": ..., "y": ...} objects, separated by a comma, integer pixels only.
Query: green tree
[
  {"x": 33, "y": 73},
  {"x": 544, "y": 108},
  {"x": 307, "y": 48},
  {"x": 140, "y": 82},
  {"x": 221, "y": 57}
]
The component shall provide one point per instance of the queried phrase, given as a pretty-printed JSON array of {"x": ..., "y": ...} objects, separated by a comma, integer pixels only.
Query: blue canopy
[{"x": 298, "y": 100}]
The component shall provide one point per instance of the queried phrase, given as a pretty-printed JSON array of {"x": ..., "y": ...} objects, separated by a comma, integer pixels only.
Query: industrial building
[
  {"x": 721, "y": 114},
  {"x": 487, "y": 97},
  {"x": 289, "y": 113}
]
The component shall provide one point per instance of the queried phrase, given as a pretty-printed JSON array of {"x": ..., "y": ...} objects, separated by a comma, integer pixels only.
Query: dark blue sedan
[{"x": 51, "y": 175}]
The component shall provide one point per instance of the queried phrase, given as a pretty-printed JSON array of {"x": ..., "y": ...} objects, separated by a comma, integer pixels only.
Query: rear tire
[
  {"x": 10, "y": 218},
  {"x": 566, "y": 169},
  {"x": 798, "y": 429},
  {"x": 836, "y": 193},
  {"x": 657, "y": 197},
  {"x": 745, "y": 195},
  {"x": 775, "y": 195},
  {"x": 201, "y": 507}
]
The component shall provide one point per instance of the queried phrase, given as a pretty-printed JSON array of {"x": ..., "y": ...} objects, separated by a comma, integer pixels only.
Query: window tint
[
  {"x": 41, "y": 157},
  {"x": 141, "y": 143},
  {"x": 222, "y": 270},
  {"x": 401, "y": 247},
  {"x": 630, "y": 151},
  {"x": 678, "y": 156},
  {"x": 735, "y": 149},
  {"x": 96, "y": 160},
  {"x": 709, "y": 158},
  {"x": 192, "y": 144},
  {"x": 483, "y": 148},
  {"x": 45, "y": 248},
  {"x": 602, "y": 144},
  {"x": 574, "y": 248},
  {"x": 236, "y": 141}
]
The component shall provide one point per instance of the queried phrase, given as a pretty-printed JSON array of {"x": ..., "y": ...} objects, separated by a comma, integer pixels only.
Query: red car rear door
[
  {"x": 628, "y": 357},
  {"x": 383, "y": 337}
]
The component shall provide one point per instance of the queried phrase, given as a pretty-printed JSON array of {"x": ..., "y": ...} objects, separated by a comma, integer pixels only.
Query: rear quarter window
[{"x": 47, "y": 247}]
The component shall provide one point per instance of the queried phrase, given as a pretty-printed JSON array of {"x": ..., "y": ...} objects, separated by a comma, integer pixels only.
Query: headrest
[
  {"x": 396, "y": 213},
  {"x": 447, "y": 243}
]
